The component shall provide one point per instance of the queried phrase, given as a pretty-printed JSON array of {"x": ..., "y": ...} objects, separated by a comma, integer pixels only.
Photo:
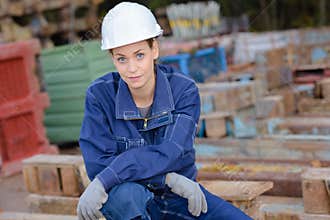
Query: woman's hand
[
  {"x": 188, "y": 189},
  {"x": 91, "y": 201}
]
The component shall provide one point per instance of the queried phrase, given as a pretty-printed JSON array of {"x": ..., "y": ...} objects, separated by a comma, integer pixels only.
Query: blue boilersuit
[{"x": 131, "y": 155}]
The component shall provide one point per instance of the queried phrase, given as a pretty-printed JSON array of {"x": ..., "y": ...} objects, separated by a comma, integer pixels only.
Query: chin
[{"x": 136, "y": 86}]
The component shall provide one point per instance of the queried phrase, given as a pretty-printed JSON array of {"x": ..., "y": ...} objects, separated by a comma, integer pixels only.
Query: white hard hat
[{"x": 128, "y": 23}]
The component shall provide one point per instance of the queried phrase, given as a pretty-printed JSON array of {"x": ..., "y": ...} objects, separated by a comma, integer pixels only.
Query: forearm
[{"x": 142, "y": 164}]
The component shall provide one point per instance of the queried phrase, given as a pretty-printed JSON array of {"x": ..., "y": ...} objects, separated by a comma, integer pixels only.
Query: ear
[{"x": 155, "y": 49}]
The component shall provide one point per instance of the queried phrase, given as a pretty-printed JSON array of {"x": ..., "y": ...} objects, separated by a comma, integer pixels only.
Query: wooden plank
[
  {"x": 315, "y": 195},
  {"x": 237, "y": 190},
  {"x": 312, "y": 66},
  {"x": 70, "y": 182},
  {"x": 303, "y": 125},
  {"x": 56, "y": 160},
  {"x": 307, "y": 122},
  {"x": 34, "y": 216},
  {"x": 310, "y": 105},
  {"x": 63, "y": 205},
  {"x": 275, "y": 147},
  {"x": 286, "y": 177},
  {"x": 49, "y": 180},
  {"x": 31, "y": 179},
  {"x": 302, "y": 137}
]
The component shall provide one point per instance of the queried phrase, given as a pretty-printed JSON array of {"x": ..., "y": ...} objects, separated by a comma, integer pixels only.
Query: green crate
[
  {"x": 73, "y": 90},
  {"x": 66, "y": 105},
  {"x": 101, "y": 64},
  {"x": 68, "y": 70},
  {"x": 64, "y": 119},
  {"x": 68, "y": 76},
  {"x": 63, "y": 134},
  {"x": 62, "y": 57},
  {"x": 93, "y": 49}
]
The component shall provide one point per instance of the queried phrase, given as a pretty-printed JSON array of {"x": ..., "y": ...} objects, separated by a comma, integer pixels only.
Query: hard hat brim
[{"x": 104, "y": 46}]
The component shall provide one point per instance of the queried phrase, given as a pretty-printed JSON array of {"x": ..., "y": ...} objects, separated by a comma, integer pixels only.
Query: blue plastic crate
[
  {"x": 200, "y": 65},
  {"x": 179, "y": 61}
]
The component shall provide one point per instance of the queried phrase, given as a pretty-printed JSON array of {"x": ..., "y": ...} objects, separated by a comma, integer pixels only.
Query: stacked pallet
[
  {"x": 49, "y": 20},
  {"x": 294, "y": 91},
  {"x": 228, "y": 109},
  {"x": 68, "y": 70},
  {"x": 55, "y": 183},
  {"x": 313, "y": 205},
  {"x": 22, "y": 105},
  {"x": 278, "y": 160},
  {"x": 319, "y": 103}
]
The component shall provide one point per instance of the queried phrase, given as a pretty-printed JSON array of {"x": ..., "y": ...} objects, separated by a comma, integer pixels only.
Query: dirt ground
[
  {"x": 12, "y": 188},
  {"x": 13, "y": 193}
]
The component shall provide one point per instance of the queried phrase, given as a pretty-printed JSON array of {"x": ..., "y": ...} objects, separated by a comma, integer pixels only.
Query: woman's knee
[{"x": 126, "y": 201}]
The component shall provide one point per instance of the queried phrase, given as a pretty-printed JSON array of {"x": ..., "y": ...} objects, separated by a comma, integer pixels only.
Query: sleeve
[
  {"x": 97, "y": 148},
  {"x": 173, "y": 154}
]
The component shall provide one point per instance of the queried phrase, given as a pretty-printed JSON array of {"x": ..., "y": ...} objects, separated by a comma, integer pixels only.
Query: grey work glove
[
  {"x": 91, "y": 201},
  {"x": 188, "y": 189}
]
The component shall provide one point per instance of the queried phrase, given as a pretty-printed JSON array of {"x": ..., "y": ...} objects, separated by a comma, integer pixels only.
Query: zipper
[{"x": 145, "y": 123}]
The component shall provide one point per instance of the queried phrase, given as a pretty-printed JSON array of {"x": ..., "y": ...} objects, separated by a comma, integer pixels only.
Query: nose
[{"x": 132, "y": 67}]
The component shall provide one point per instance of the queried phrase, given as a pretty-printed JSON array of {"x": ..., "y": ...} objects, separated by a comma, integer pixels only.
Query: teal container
[{"x": 68, "y": 70}]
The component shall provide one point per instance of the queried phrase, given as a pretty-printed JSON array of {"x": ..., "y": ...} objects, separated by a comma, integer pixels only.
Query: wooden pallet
[
  {"x": 314, "y": 106},
  {"x": 305, "y": 125},
  {"x": 63, "y": 175},
  {"x": 230, "y": 96},
  {"x": 59, "y": 205},
  {"x": 275, "y": 147},
  {"x": 270, "y": 107},
  {"x": 284, "y": 208},
  {"x": 25, "y": 7},
  {"x": 279, "y": 160},
  {"x": 315, "y": 185},
  {"x": 322, "y": 88}
]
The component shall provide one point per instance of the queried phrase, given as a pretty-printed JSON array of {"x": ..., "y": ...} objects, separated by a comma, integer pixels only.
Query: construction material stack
[
  {"x": 53, "y": 22},
  {"x": 54, "y": 182},
  {"x": 314, "y": 204},
  {"x": 21, "y": 106},
  {"x": 68, "y": 70}
]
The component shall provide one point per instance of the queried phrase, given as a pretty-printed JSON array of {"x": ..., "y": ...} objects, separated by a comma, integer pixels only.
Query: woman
[{"x": 138, "y": 131}]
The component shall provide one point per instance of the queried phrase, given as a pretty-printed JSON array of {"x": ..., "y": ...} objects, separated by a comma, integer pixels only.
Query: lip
[{"x": 134, "y": 77}]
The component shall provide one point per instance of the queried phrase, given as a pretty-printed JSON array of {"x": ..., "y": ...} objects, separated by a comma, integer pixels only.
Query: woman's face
[{"x": 135, "y": 64}]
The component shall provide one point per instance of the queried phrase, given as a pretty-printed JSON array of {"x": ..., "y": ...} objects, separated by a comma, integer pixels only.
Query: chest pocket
[{"x": 124, "y": 144}]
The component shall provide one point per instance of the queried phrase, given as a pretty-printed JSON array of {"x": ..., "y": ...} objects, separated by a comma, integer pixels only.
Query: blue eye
[
  {"x": 139, "y": 56},
  {"x": 121, "y": 59}
]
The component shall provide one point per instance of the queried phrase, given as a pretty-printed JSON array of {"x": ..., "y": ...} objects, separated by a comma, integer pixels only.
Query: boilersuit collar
[{"x": 163, "y": 99}]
